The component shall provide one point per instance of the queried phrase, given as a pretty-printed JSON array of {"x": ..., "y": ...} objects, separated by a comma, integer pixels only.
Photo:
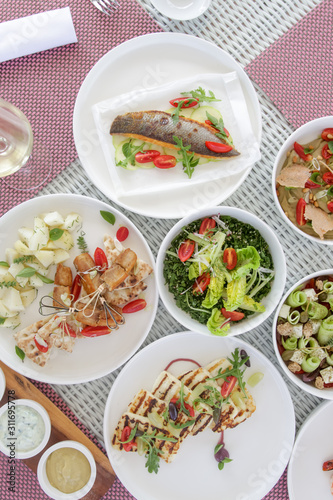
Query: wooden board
[{"x": 62, "y": 429}]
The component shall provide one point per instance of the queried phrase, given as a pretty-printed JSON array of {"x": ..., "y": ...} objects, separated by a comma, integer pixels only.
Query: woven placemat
[
  {"x": 44, "y": 85},
  {"x": 296, "y": 71}
]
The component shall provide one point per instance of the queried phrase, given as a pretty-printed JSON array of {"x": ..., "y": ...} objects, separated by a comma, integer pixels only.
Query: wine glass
[{"x": 25, "y": 164}]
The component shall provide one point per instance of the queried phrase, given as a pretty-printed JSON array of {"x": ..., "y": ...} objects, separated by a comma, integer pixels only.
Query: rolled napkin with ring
[{"x": 36, "y": 33}]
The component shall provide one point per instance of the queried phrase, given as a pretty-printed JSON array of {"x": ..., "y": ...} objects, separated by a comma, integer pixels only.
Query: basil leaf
[
  {"x": 217, "y": 448},
  {"x": 19, "y": 352},
  {"x": 26, "y": 272},
  {"x": 2, "y": 320},
  {"x": 4, "y": 263},
  {"x": 330, "y": 146},
  {"x": 44, "y": 279},
  {"x": 56, "y": 233},
  {"x": 108, "y": 216}
]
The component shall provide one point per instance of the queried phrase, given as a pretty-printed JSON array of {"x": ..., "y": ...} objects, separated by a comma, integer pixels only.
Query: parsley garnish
[
  {"x": 24, "y": 258},
  {"x": 188, "y": 160},
  {"x": 7, "y": 284},
  {"x": 236, "y": 371},
  {"x": 81, "y": 242},
  {"x": 129, "y": 151},
  {"x": 219, "y": 125},
  {"x": 200, "y": 95}
]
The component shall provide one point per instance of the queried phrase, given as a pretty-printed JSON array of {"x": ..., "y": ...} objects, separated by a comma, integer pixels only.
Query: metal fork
[{"x": 106, "y": 6}]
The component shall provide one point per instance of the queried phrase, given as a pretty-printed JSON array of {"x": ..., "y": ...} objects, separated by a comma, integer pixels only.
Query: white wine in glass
[{"x": 19, "y": 152}]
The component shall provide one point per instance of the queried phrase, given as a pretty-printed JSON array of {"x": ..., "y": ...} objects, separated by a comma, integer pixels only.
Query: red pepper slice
[
  {"x": 134, "y": 306},
  {"x": 69, "y": 330},
  {"x": 206, "y": 225},
  {"x": 325, "y": 152},
  {"x": 218, "y": 147},
  {"x": 76, "y": 288},
  {"x": 100, "y": 259},
  {"x": 186, "y": 249},
  {"x": 147, "y": 155},
  {"x": 232, "y": 315},
  {"x": 201, "y": 284},
  {"x": 300, "y": 209},
  {"x": 41, "y": 347},
  {"x": 165, "y": 161},
  {"x": 330, "y": 206},
  {"x": 126, "y": 432},
  {"x": 188, "y": 102},
  {"x": 328, "y": 465},
  {"x": 328, "y": 178},
  {"x": 300, "y": 151},
  {"x": 122, "y": 233},
  {"x": 230, "y": 258},
  {"x": 327, "y": 134},
  {"x": 95, "y": 331},
  {"x": 228, "y": 386}
]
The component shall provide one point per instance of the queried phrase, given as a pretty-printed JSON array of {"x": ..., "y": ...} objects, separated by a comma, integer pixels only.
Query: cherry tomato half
[
  {"x": 208, "y": 122},
  {"x": 100, "y": 259},
  {"x": 147, "y": 156},
  {"x": 327, "y": 134},
  {"x": 122, "y": 233},
  {"x": 206, "y": 225},
  {"x": 300, "y": 209},
  {"x": 40, "y": 343},
  {"x": 218, "y": 147},
  {"x": 134, "y": 306},
  {"x": 232, "y": 315},
  {"x": 188, "y": 102},
  {"x": 76, "y": 287},
  {"x": 188, "y": 407},
  {"x": 95, "y": 331},
  {"x": 126, "y": 432},
  {"x": 311, "y": 185},
  {"x": 228, "y": 386},
  {"x": 325, "y": 152},
  {"x": 300, "y": 151},
  {"x": 330, "y": 206},
  {"x": 185, "y": 250},
  {"x": 230, "y": 258},
  {"x": 329, "y": 464},
  {"x": 201, "y": 284},
  {"x": 165, "y": 161},
  {"x": 69, "y": 330},
  {"x": 329, "y": 385},
  {"x": 328, "y": 178}
]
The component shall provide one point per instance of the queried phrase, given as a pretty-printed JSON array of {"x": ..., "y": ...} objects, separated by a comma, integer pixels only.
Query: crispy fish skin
[{"x": 158, "y": 127}]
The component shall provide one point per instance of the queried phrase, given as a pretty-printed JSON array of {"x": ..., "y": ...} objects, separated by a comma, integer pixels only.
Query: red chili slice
[
  {"x": 186, "y": 249},
  {"x": 230, "y": 258},
  {"x": 228, "y": 386},
  {"x": 218, "y": 147},
  {"x": 76, "y": 288},
  {"x": 206, "y": 225},
  {"x": 330, "y": 206},
  {"x": 188, "y": 102},
  {"x": 300, "y": 209},
  {"x": 325, "y": 152},
  {"x": 165, "y": 161},
  {"x": 201, "y": 284},
  {"x": 95, "y": 331},
  {"x": 41, "y": 347},
  {"x": 100, "y": 259},
  {"x": 147, "y": 156},
  {"x": 134, "y": 306},
  {"x": 122, "y": 233},
  {"x": 328, "y": 178},
  {"x": 232, "y": 315},
  {"x": 327, "y": 134},
  {"x": 300, "y": 151}
]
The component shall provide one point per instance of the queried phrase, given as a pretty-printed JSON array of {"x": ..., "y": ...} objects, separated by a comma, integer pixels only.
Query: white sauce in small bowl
[{"x": 23, "y": 423}]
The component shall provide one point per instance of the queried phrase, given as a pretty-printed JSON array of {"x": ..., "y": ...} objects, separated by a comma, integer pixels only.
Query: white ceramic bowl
[
  {"x": 324, "y": 393},
  {"x": 270, "y": 301},
  {"x": 47, "y": 423},
  {"x": 306, "y": 133},
  {"x": 182, "y": 10},
  {"x": 2, "y": 384},
  {"x": 54, "y": 492}
]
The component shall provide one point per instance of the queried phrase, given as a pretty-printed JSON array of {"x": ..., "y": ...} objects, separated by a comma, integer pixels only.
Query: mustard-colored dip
[{"x": 68, "y": 470}]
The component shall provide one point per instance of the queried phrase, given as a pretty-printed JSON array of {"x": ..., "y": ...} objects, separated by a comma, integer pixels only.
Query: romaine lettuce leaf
[
  {"x": 216, "y": 286},
  {"x": 194, "y": 270},
  {"x": 247, "y": 258},
  {"x": 235, "y": 293},
  {"x": 215, "y": 322},
  {"x": 249, "y": 304}
]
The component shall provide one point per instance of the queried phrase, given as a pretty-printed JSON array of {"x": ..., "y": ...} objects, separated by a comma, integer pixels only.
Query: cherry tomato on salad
[
  {"x": 230, "y": 258},
  {"x": 300, "y": 209},
  {"x": 126, "y": 432},
  {"x": 76, "y": 288},
  {"x": 147, "y": 156},
  {"x": 122, "y": 233},
  {"x": 325, "y": 152},
  {"x": 330, "y": 206},
  {"x": 69, "y": 330},
  {"x": 328, "y": 465},
  {"x": 327, "y": 134},
  {"x": 165, "y": 161},
  {"x": 311, "y": 283},
  {"x": 188, "y": 102},
  {"x": 185, "y": 250},
  {"x": 95, "y": 331},
  {"x": 228, "y": 386},
  {"x": 134, "y": 306},
  {"x": 300, "y": 151},
  {"x": 328, "y": 178},
  {"x": 100, "y": 259},
  {"x": 208, "y": 122},
  {"x": 206, "y": 225},
  {"x": 232, "y": 315},
  {"x": 201, "y": 284},
  {"x": 40, "y": 343},
  {"x": 218, "y": 147}
]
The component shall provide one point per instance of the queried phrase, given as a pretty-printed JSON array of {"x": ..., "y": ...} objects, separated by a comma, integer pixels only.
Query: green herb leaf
[
  {"x": 7, "y": 284},
  {"x": 129, "y": 152},
  {"x": 44, "y": 278},
  {"x": 3, "y": 263},
  {"x": 153, "y": 460},
  {"x": 182, "y": 426},
  {"x": 56, "y": 233},
  {"x": 308, "y": 151},
  {"x": 188, "y": 160},
  {"x": 2, "y": 320},
  {"x": 200, "y": 95},
  {"x": 81, "y": 242},
  {"x": 218, "y": 447},
  {"x": 24, "y": 258},
  {"x": 27, "y": 272},
  {"x": 19, "y": 352},
  {"x": 219, "y": 125},
  {"x": 330, "y": 146},
  {"x": 224, "y": 461},
  {"x": 108, "y": 216},
  {"x": 237, "y": 363},
  {"x": 181, "y": 105}
]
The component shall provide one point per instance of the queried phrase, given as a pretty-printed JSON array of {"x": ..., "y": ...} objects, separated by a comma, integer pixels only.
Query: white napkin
[
  {"x": 232, "y": 106},
  {"x": 36, "y": 33}
]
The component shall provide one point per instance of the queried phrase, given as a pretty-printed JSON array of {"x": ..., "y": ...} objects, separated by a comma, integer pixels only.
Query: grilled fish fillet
[{"x": 158, "y": 127}]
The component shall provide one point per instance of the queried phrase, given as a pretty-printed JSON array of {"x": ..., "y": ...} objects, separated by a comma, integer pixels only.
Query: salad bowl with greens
[{"x": 221, "y": 271}]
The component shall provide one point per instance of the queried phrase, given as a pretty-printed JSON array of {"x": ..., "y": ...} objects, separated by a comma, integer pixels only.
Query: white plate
[
  {"x": 143, "y": 62},
  {"x": 183, "y": 10},
  {"x": 313, "y": 446},
  {"x": 260, "y": 447},
  {"x": 91, "y": 358}
]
